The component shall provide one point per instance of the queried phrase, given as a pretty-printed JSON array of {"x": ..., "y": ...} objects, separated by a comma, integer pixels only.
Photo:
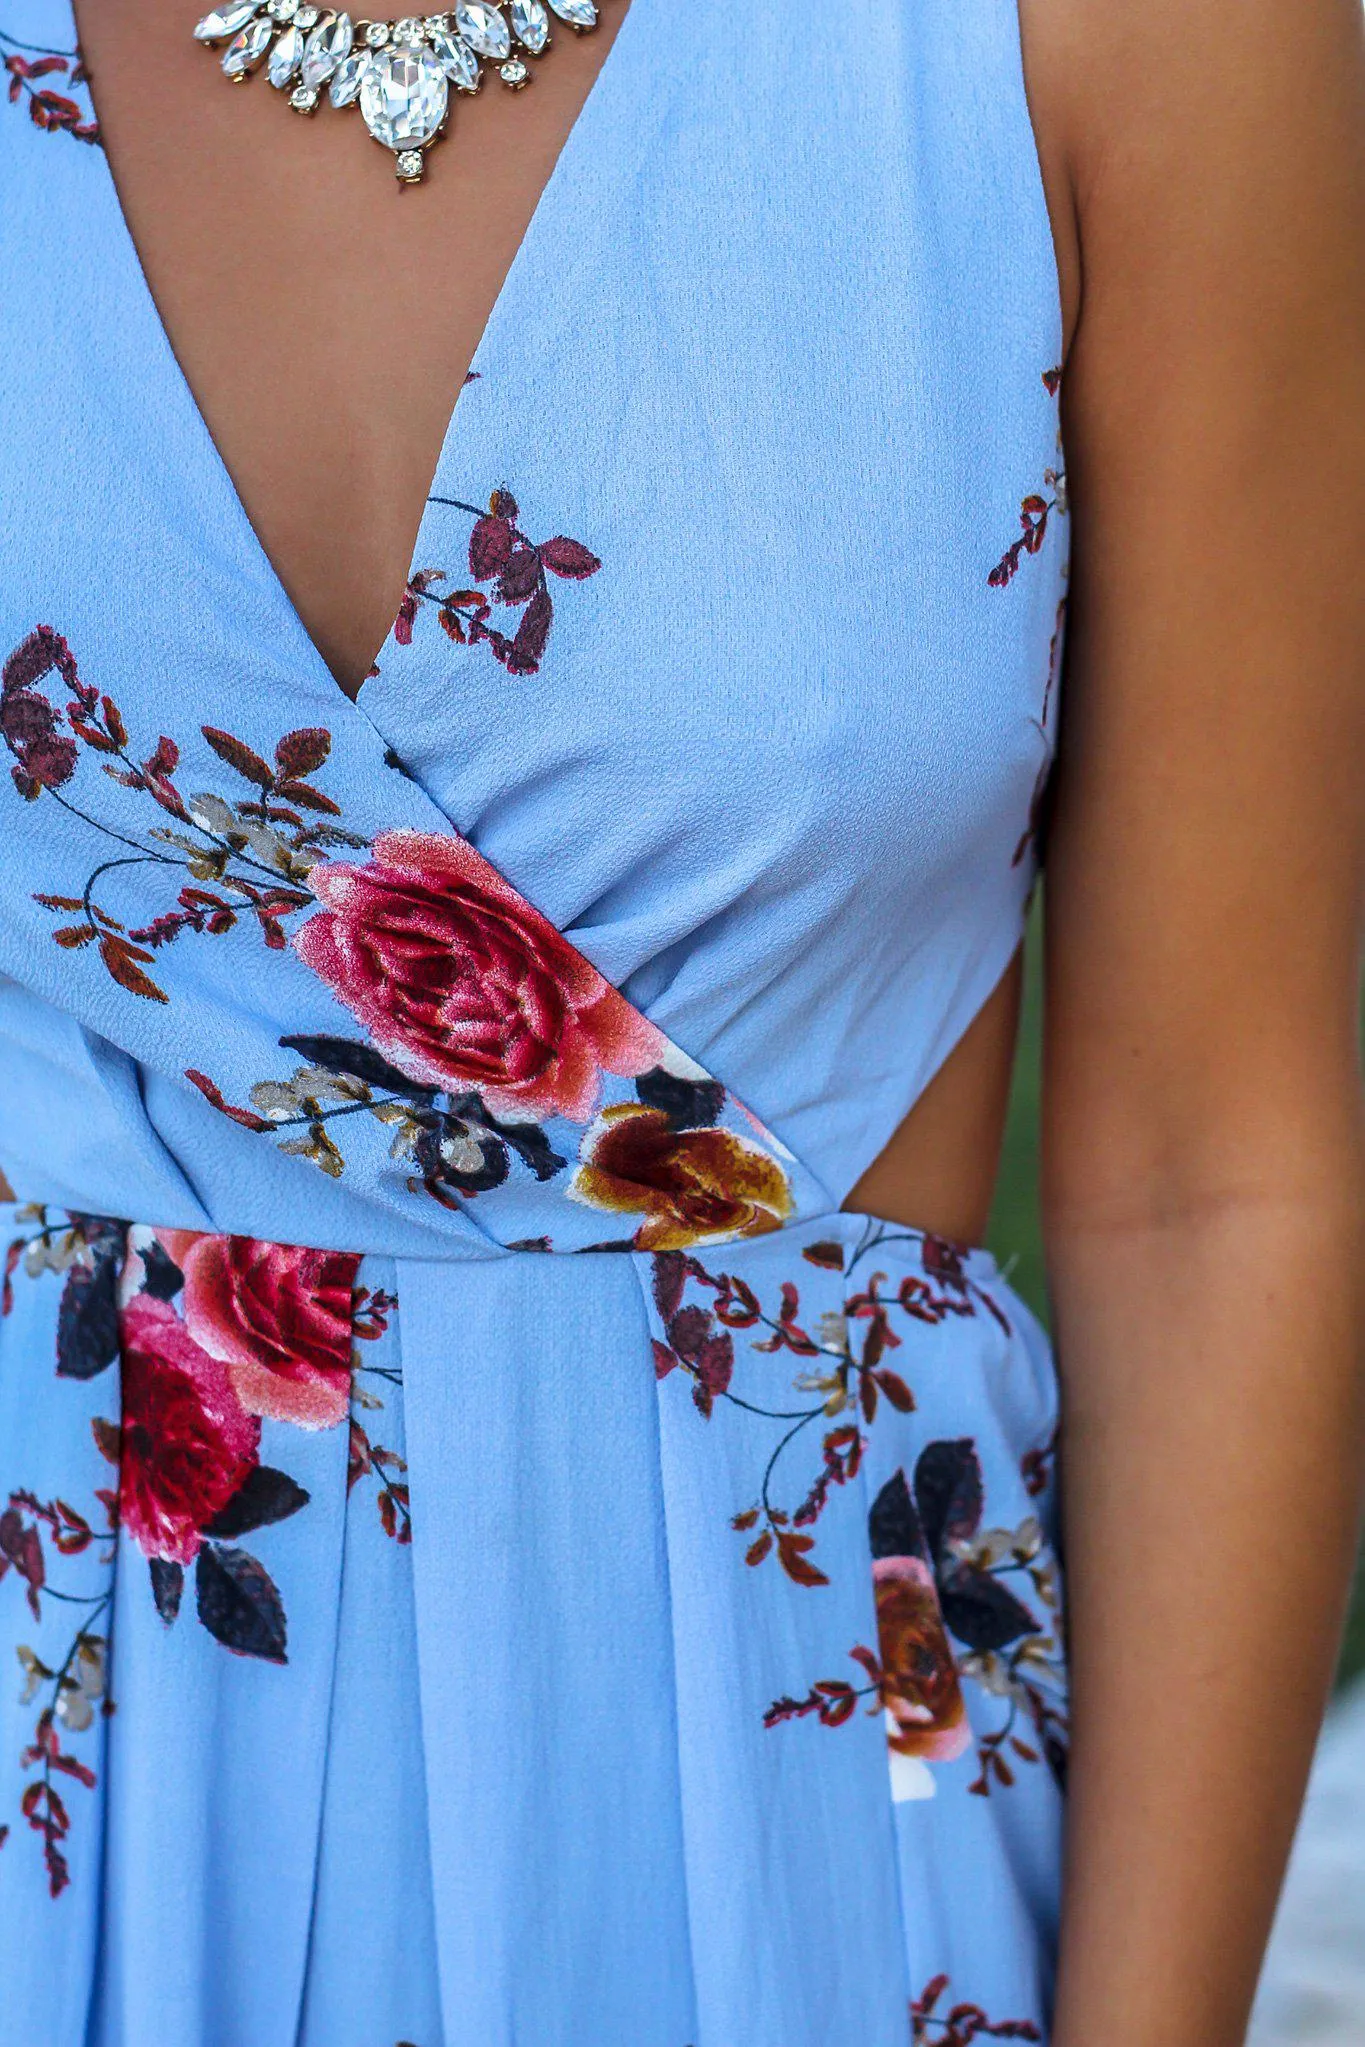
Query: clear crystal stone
[
  {"x": 377, "y": 34},
  {"x": 437, "y": 24},
  {"x": 307, "y": 17},
  {"x": 409, "y": 165},
  {"x": 303, "y": 98},
  {"x": 578, "y": 13},
  {"x": 284, "y": 10},
  {"x": 531, "y": 23},
  {"x": 408, "y": 30},
  {"x": 404, "y": 97},
  {"x": 225, "y": 21},
  {"x": 456, "y": 59},
  {"x": 348, "y": 78},
  {"x": 246, "y": 50},
  {"x": 285, "y": 58},
  {"x": 484, "y": 29},
  {"x": 515, "y": 74},
  {"x": 328, "y": 44}
]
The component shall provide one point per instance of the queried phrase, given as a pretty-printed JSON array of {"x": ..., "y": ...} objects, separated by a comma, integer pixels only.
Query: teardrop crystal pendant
[
  {"x": 285, "y": 58},
  {"x": 531, "y": 25},
  {"x": 484, "y": 29},
  {"x": 246, "y": 50},
  {"x": 348, "y": 78},
  {"x": 580, "y": 14},
  {"x": 225, "y": 21},
  {"x": 457, "y": 60},
  {"x": 328, "y": 47}
]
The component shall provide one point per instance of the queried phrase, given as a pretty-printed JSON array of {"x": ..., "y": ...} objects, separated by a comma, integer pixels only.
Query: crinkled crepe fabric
[{"x": 765, "y": 390}]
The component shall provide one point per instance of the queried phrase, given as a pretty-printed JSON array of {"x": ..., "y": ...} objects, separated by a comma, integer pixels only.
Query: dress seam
[{"x": 638, "y": 1261}]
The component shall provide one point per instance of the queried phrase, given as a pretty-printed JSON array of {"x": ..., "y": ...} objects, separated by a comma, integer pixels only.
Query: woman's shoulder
[{"x": 1120, "y": 93}]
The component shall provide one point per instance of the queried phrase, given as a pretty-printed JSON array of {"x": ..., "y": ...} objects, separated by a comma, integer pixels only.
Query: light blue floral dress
[{"x": 490, "y": 1554}]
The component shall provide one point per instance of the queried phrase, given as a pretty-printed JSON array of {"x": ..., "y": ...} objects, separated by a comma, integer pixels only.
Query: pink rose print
[
  {"x": 463, "y": 985},
  {"x": 186, "y": 1444},
  {"x": 278, "y": 1317}
]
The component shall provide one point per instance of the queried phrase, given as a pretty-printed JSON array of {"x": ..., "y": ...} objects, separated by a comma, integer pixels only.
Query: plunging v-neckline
[{"x": 555, "y": 200}]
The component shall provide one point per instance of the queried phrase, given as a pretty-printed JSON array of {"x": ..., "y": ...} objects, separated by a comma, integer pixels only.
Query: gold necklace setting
[{"x": 401, "y": 74}]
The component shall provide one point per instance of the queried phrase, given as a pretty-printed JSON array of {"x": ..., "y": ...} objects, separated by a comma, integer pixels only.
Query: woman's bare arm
[{"x": 1204, "y": 1159}]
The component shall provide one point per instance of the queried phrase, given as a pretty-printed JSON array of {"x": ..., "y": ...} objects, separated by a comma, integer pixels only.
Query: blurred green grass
[{"x": 1016, "y": 1235}]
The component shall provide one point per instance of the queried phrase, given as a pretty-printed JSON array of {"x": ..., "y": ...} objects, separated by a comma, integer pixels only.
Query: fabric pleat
[
  {"x": 51, "y": 1942},
  {"x": 789, "y": 1831},
  {"x": 216, "y": 1768},
  {"x": 372, "y": 1971},
  {"x": 546, "y": 1655}
]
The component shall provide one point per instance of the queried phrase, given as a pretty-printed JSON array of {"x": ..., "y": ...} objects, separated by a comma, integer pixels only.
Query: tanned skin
[
  {"x": 1204, "y": 1142},
  {"x": 1203, "y": 1153}
]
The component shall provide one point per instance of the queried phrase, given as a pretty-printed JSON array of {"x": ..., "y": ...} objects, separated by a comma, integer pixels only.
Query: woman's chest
[
  {"x": 703, "y": 594},
  {"x": 324, "y": 313}
]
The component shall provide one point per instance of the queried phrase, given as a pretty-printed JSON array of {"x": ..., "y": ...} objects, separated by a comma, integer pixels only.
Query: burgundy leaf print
[
  {"x": 491, "y": 542},
  {"x": 21, "y": 1547},
  {"x": 44, "y": 756},
  {"x": 373, "y": 1311},
  {"x": 1034, "y": 513},
  {"x": 843, "y": 1377},
  {"x": 245, "y": 860},
  {"x": 1036, "y": 509},
  {"x": 39, "y": 1537},
  {"x": 961, "y": 2023},
  {"x": 519, "y": 577},
  {"x": 406, "y": 619},
  {"x": 72, "y": 1694},
  {"x": 216, "y": 1099},
  {"x": 568, "y": 558},
  {"x": 52, "y": 111},
  {"x": 517, "y": 568}
]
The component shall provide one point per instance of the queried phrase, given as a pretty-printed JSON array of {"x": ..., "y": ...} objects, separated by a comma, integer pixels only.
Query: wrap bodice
[{"x": 724, "y": 677}]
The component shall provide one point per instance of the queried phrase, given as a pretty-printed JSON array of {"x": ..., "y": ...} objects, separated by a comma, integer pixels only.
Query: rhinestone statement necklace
[{"x": 399, "y": 73}]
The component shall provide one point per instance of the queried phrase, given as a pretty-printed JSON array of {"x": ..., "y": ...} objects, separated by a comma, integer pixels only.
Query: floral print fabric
[
  {"x": 484, "y": 1029},
  {"x": 820, "y": 1477},
  {"x": 826, "y": 1473},
  {"x": 489, "y": 1551},
  {"x": 169, "y": 1541},
  {"x": 205, "y": 1338},
  {"x": 495, "y": 1054},
  {"x": 803, "y": 1380}
]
